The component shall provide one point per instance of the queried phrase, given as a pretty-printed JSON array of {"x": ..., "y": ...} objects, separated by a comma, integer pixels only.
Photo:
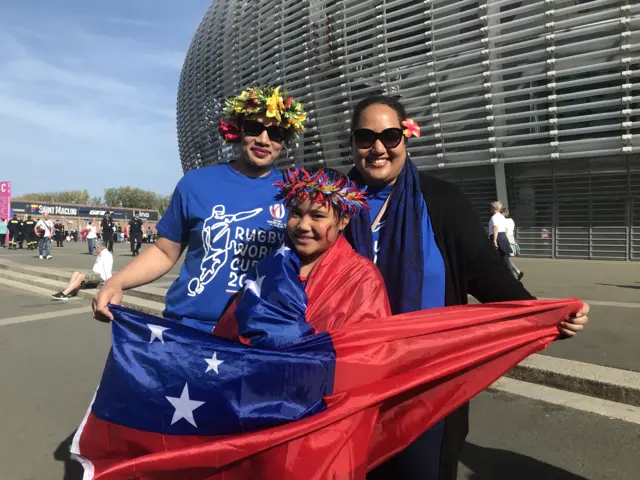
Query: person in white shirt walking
[
  {"x": 92, "y": 235},
  {"x": 514, "y": 249},
  {"x": 102, "y": 271},
  {"x": 44, "y": 231},
  {"x": 498, "y": 232}
]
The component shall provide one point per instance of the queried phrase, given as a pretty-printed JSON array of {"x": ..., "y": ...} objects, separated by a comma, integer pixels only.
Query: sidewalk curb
[
  {"x": 47, "y": 287},
  {"x": 616, "y": 385},
  {"x": 149, "y": 293}
]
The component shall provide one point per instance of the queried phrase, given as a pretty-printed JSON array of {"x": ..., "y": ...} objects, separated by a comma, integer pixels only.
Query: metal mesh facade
[
  {"x": 490, "y": 81},
  {"x": 550, "y": 88}
]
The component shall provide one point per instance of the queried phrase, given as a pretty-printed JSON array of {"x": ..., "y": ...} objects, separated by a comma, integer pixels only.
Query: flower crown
[
  {"x": 322, "y": 187},
  {"x": 270, "y": 101}
]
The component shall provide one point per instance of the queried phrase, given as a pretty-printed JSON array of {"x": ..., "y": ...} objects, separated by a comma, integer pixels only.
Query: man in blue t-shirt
[
  {"x": 228, "y": 226},
  {"x": 225, "y": 216}
]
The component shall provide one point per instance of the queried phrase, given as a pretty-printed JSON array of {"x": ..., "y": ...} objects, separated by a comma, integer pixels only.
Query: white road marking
[
  {"x": 577, "y": 401},
  {"x": 597, "y": 303},
  {"x": 44, "y": 316},
  {"x": 34, "y": 255}
]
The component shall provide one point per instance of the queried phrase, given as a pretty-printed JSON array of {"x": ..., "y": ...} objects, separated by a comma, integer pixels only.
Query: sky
[{"x": 88, "y": 92}]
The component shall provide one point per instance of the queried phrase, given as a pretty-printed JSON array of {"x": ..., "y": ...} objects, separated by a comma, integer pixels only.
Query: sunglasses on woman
[
  {"x": 390, "y": 138},
  {"x": 255, "y": 129}
]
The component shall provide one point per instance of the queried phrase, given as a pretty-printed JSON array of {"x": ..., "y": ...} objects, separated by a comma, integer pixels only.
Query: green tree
[
  {"x": 134, "y": 197},
  {"x": 97, "y": 200},
  {"x": 68, "y": 196},
  {"x": 163, "y": 203}
]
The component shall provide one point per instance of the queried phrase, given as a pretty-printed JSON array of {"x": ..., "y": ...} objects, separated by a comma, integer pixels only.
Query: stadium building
[{"x": 534, "y": 102}]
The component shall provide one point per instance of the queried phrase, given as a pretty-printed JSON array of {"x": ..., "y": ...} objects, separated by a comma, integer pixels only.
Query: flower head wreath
[
  {"x": 324, "y": 187},
  {"x": 272, "y": 102}
]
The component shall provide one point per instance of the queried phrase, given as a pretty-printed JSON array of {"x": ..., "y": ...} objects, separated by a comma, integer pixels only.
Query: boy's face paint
[{"x": 313, "y": 228}]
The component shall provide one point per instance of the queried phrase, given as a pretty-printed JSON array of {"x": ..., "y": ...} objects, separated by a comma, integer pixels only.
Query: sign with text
[
  {"x": 37, "y": 208},
  {"x": 5, "y": 200}
]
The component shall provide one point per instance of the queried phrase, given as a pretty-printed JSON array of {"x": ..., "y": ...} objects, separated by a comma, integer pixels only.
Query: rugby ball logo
[{"x": 277, "y": 211}]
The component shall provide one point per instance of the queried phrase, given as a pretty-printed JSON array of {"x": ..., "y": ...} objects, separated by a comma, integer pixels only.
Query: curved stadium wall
[{"x": 549, "y": 89}]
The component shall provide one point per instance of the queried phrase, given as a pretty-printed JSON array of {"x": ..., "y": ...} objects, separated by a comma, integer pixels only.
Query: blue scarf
[{"x": 400, "y": 260}]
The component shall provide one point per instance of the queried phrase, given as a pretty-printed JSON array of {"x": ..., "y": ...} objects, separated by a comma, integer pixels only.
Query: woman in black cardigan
[{"x": 432, "y": 251}]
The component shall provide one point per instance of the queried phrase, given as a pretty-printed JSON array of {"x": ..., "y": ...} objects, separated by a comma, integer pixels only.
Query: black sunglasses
[
  {"x": 255, "y": 129},
  {"x": 390, "y": 138}
]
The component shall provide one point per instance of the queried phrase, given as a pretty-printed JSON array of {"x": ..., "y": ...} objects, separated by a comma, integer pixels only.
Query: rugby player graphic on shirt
[{"x": 216, "y": 239}]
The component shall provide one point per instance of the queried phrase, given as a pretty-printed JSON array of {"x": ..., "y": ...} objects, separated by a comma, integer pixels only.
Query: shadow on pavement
[
  {"x": 634, "y": 287},
  {"x": 496, "y": 464},
  {"x": 72, "y": 469}
]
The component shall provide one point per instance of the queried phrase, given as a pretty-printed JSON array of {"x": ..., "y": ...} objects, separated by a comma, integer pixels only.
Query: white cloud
[{"x": 80, "y": 109}]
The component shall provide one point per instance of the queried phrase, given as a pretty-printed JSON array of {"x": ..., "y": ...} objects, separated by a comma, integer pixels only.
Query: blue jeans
[
  {"x": 44, "y": 245},
  {"x": 92, "y": 245}
]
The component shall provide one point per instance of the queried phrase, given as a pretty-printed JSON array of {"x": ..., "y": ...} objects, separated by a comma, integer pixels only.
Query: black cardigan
[{"x": 472, "y": 266}]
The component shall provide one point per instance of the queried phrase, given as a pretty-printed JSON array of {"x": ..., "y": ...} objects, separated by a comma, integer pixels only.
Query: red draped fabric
[{"x": 394, "y": 377}]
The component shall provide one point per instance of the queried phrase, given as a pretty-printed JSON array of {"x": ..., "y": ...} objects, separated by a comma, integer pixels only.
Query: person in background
[
  {"x": 91, "y": 236},
  {"x": 59, "y": 233},
  {"x": 21, "y": 232},
  {"x": 148, "y": 235},
  {"x": 44, "y": 230},
  {"x": 29, "y": 233},
  {"x": 432, "y": 251},
  {"x": 101, "y": 272},
  {"x": 498, "y": 232},
  {"x": 4, "y": 228},
  {"x": 135, "y": 235},
  {"x": 108, "y": 228},
  {"x": 119, "y": 237},
  {"x": 514, "y": 248},
  {"x": 14, "y": 232}
]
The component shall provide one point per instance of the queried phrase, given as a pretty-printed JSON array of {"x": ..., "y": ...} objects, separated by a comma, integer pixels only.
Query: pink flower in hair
[
  {"x": 411, "y": 128},
  {"x": 230, "y": 131}
]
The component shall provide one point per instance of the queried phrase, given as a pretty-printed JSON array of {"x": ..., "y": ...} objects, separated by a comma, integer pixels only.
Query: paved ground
[
  {"x": 49, "y": 371},
  {"x": 514, "y": 438},
  {"x": 52, "y": 355}
]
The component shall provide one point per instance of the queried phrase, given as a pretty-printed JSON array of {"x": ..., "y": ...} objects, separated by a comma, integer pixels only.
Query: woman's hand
[
  {"x": 109, "y": 293},
  {"x": 575, "y": 323}
]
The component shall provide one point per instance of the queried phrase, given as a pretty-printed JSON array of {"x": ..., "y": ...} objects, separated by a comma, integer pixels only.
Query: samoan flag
[{"x": 177, "y": 402}]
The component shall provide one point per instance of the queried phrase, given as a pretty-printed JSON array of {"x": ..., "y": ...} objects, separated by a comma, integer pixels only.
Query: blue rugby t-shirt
[{"x": 229, "y": 222}]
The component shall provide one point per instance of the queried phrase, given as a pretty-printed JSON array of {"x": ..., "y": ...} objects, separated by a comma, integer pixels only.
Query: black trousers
[
  {"x": 432, "y": 456},
  {"x": 30, "y": 238},
  {"x": 135, "y": 238},
  {"x": 107, "y": 239},
  {"x": 3, "y": 238},
  {"x": 59, "y": 239},
  {"x": 14, "y": 238}
]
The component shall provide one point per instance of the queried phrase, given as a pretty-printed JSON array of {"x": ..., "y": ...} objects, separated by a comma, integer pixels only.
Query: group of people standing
[
  {"x": 111, "y": 230},
  {"x": 34, "y": 234},
  {"x": 420, "y": 235}
]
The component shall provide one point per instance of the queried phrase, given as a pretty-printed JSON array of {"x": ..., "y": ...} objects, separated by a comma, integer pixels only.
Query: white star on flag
[
  {"x": 282, "y": 250},
  {"x": 213, "y": 363},
  {"x": 156, "y": 332},
  {"x": 184, "y": 407},
  {"x": 254, "y": 285}
]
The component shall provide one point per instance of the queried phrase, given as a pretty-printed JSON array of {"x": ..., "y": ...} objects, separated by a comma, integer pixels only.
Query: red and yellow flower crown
[
  {"x": 272, "y": 102},
  {"x": 325, "y": 187}
]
